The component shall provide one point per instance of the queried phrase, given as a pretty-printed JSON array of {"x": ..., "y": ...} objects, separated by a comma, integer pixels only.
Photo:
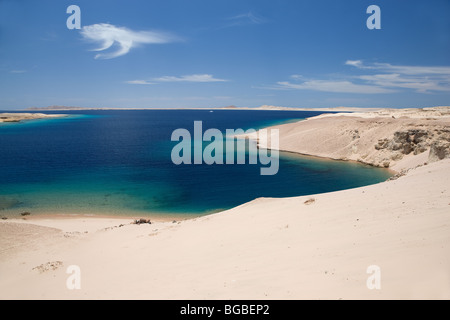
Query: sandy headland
[
  {"x": 399, "y": 139},
  {"x": 322, "y": 246},
  {"x": 18, "y": 117}
]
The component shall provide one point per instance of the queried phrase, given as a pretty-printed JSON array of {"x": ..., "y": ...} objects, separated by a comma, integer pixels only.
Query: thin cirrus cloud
[
  {"x": 421, "y": 79},
  {"x": 120, "y": 39},
  {"x": 190, "y": 78},
  {"x": 378, "y": 78},
  {"x": 18, "y": 71},
  {"x": 342, "y": 86},
  {"x": 247, "y": 18},
  {"x": 145, "y": 82},
  {"x": 186, "y": 78},
  {"x": 418, "y": 84},
  {"x": 410, "y": 70}
]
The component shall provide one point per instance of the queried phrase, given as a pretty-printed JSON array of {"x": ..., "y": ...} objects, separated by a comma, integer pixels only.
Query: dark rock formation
[
  {"x": 439, "y": 150},
  {"x": 405, "y": 142},
  {"x": 142, "y": 221}
]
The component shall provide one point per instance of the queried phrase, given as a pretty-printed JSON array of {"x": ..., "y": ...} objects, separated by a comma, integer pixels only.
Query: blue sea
[{"x": 118, "y": 162}]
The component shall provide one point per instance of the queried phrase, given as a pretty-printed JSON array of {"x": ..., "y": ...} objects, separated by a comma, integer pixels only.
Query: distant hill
[
  {"x": 229, "y": 107},
  {"x": 51, "y": 108}
]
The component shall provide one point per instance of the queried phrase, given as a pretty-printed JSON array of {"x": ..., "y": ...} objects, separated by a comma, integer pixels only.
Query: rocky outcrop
[
  {"x": 439, "y": 150},
  {"x": 417, "y": 141},
  {"x": 142, "y": 221},
  {"x": 405, "y": 142}
]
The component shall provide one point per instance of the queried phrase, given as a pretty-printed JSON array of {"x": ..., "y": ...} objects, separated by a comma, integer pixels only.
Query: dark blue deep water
[{"x": 119, "y": 163}]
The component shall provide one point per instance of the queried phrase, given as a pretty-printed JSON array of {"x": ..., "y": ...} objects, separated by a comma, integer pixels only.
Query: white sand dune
[{"x": 311, "y": 247}]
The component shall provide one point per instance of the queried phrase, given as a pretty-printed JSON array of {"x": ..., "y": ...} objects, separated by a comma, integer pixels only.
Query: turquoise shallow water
[{"x": 118, "y": 163}]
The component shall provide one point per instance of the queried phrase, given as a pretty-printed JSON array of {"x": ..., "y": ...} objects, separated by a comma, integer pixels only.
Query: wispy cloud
[
  {"x": 190, "y": 78},
  {"x": 145, "y": 82},
  {"x": 419, "y": 84},
  {"x": 245, "y": 19},
  {"x": 186, "y": 78},
  {"x": 18, "y": 71},
  {"x": 332, "y": 86},
  {"x": 297, "y": 77},
  {"x": 355, "y": 63},
  {"x": 423, "y": 79},
  {"x": 377, "y": 78},
  {"x": 409, "y": 70},
  {"x": 121, "y": 39}
]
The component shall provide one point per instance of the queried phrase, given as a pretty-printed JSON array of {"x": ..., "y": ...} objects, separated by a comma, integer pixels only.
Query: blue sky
[{"x": 213, "y": 53}]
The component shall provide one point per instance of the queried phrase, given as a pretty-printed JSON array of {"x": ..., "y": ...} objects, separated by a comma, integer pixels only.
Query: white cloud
[
  {"x": 123, "y": 39},
  {"x": 18, "y": 71},
  {"x": 139, "y": 82},
  {"x": 190, "y": 78},
  {"x": 355, "y": 63},
  {"x": 341, "y": 86}
]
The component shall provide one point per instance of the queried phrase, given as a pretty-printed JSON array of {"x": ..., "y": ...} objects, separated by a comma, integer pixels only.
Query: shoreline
[
  {"x": 45, "y": 214},
  {"x": 81, "y": 216},
  {"x": 165, "y": 217},
  {"x": 387, "y": 113},
  {"x": 315, "y": 246},
  {"x": 369, "y": 113},
  {"x": 390, "y": 170},
  {"x": 307, "y": 247}
]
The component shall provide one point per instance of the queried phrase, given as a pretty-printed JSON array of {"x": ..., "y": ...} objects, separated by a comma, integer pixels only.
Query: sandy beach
[{"x": 309, "y": 247}]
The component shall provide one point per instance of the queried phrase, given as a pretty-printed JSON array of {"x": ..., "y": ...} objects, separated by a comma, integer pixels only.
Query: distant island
[
  {"x": 17, "y": 117},
  {"x": 53, "y": 108}
]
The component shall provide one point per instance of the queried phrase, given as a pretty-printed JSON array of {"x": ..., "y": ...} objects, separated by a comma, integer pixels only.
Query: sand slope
[{"x": 265, "y": 249}]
